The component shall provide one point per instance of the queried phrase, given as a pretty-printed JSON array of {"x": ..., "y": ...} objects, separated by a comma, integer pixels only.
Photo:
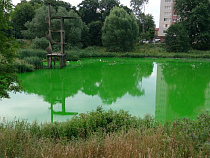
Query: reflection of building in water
[
  {"x": 166, "y": 109},
  {"x": 161, "y": 95},
  {"x": 207, "y": 95}
]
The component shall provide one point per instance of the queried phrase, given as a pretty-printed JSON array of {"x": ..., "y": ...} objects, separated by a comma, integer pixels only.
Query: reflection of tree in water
[
  {"x": 187, "y": 83},
  {"x": 117, "y": 80},
  {"x": 108, "y": 79}
]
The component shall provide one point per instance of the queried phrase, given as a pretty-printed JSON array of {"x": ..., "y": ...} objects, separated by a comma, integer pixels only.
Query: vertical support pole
[
  {"x": 62, "y": 36},
  {"x": 60, "y": 62},
  {"x": 48, "y": 62},
  {"x": 50, "y": 31}
]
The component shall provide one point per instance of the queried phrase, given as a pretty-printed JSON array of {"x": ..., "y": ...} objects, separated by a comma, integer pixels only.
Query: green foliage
[
  {"x": 24, "y": 44},
  {"x": 146, "y": 25},
  {"x": 22, "y": 13},
  {"x": 85, "y": 36},
  {"x": 95, "y": 33},
  {"x": 106, "y": 6},
  {"x": 40, "y": 43},
  {"x": 73, "y": 29},
  {"x": 137, "y": 6},
  {"x": 195, "y": 16},
  {"x": 29, "y": 59},
  {"x": 88, "y": 11},
  {"x": 8, "y": 77},
  {"x": 38, "y": 28},
  {"x": 35, "y": 61},
  {"x": 99, "y": 131},
  {"x": 120, "y": 31},
  {"x": 31, "y": 53},
  {"x": 177, "y": 39},
  {"x": 141, "y": 51},
  {"x": 23, "y": 66}
]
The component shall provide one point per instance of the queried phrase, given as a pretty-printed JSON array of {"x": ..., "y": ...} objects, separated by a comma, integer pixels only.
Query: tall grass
[
  {"x": 107, "y": 134},
  {"x": 23, "y": 53},
  {"x": 23, "y": 66},
  {"x": 35, "y": 61},
  {"x": 30, "y": 59}
]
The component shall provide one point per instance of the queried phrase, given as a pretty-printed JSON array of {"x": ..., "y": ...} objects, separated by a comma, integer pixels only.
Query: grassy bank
[
  {"x": 107, "y": 134},
  {"x": 141, "y": 51}
]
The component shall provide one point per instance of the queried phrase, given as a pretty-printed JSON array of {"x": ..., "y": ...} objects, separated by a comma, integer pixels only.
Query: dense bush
[{"x": 40, "y": 43}]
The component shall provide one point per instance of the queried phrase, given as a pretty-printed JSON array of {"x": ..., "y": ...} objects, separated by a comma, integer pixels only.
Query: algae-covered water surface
[{"x": 163, "y": 88}]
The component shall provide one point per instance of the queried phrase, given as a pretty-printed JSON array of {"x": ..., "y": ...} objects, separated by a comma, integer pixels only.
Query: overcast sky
[{"x": 152, "y": 8}]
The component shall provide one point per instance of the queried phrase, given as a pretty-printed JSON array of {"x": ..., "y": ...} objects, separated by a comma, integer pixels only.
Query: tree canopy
[
  {"x": 88, "y": 10},
  {"x": 137, "y": 6},
  {"x": 8, "y": 78},
  {"x": 177, "y": 39},
  {"x": 120, "y": 31},
  {"x": 38, "y": 28},
  {"x": 195, "y": 16}
]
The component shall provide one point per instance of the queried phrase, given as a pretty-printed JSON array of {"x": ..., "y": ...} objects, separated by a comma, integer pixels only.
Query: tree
[
  {"x": 88, "y": 10},
  {"x": 106, "y": 6},
  {"x": 22, "y": 13},
  {"x": 38, "y": 28},
  {"x": 58, "y": 3},
  {"x": 8, "y": 77},
  {"x": 146, "y": 27},
  {"x": 95, "y": 33},
  {"x": 136, "y": 6},
  {"x": 120, "y": 31},
  {"x": 195, "y": 16},
  {"x": 177, "y": 39}
]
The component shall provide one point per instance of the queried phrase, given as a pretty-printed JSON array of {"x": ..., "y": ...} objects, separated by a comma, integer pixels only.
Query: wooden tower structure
[{"x": 50, "y": 54}]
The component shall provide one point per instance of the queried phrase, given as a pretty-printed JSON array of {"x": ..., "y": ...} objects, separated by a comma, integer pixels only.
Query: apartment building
[{"x": 167, "y": 16}]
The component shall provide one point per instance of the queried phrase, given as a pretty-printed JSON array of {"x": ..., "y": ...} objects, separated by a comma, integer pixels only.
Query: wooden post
[
  {"x": 50, "y": 31},
  {"x": 48, "y": 64},
  {"x": 62, "y": 35}
]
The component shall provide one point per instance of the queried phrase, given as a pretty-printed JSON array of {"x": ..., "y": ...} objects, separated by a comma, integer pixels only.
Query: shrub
[
  {"x": 72, "y": 56},
  {"x": 40, "y": 43},
  {"x": 35, "y": 61}
]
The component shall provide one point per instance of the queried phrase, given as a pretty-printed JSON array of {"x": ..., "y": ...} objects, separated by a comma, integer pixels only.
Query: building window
[
  {"x": 166, "y": 19},
  {"x": 167, "y": 7},
  {"x": 164, "y": 31},
  {"x": 174, "y": 20},
  {"x": 169, "y": 1},
  {"x": 166, "y": 25},
  {"x": 167, "y": 13}
]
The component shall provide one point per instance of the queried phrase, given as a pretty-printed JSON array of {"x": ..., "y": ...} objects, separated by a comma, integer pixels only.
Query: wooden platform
[{"x": 51, "y": 58}]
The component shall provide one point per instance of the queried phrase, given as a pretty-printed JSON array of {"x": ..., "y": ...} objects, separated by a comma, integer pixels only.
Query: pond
[{"x": 164, "y": 88}]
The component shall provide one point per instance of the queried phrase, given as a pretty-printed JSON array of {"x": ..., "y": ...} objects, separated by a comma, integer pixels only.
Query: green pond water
[{"x": 163, "y": 88}]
